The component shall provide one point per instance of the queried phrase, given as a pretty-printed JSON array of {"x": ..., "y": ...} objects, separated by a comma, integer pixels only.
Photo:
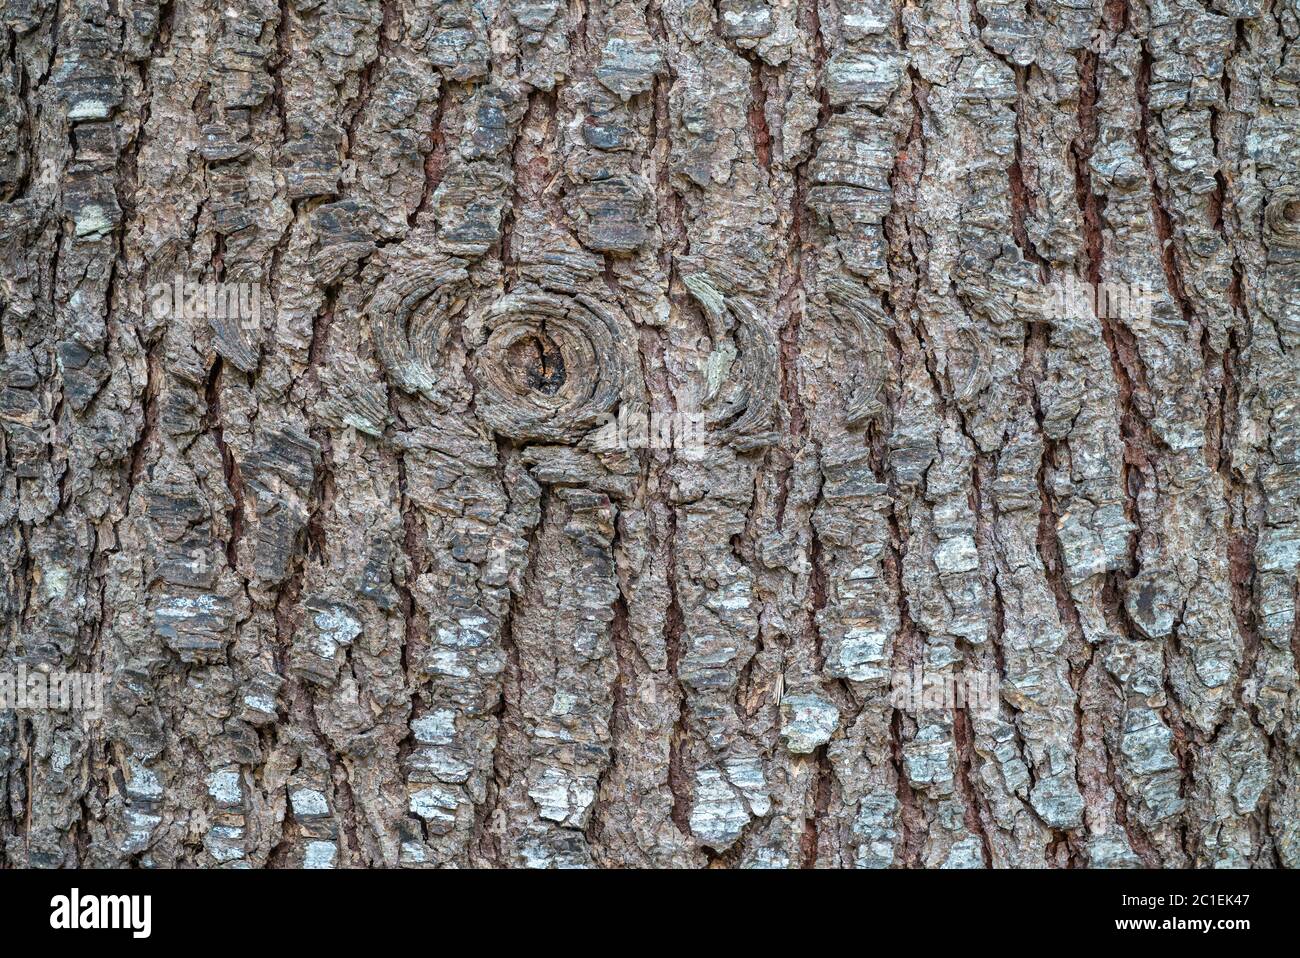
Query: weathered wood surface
[{"x": 368, "y": 585}]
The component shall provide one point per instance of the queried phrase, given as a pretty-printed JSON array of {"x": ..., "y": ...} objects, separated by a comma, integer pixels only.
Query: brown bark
[{"x": 579, "y": 426}]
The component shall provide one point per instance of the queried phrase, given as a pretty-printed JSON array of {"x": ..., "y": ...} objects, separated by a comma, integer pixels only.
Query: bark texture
[{"x": 371, "y": 589}]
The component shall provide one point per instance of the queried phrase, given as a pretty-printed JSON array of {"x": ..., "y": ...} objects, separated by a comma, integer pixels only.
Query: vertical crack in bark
[
  {"x": 619, "y": 726},
  {"x": 758, "y": 126},
  {"x": 487, "y": 838},
  {"x": 1165, "y": 245},
  {"x": 674, "y": 636},
  {"x": 435, "y": 162},
  {"x": 1090, "y": 204},
  {"x": 412, "y": 552},
  {"x": 900, "y": 300},
  {"x": 355, "y": 109},
  {"x": 964, "y": 742},
  {"x": 1021, "y": 198},
  {"x": 230, "y": 467},
  {"x": 1050, "y": 552},
  {"x": 810, "y": 840},
  {"x": 149, "y": 426},
  {"x": 1120, "y": 342}
]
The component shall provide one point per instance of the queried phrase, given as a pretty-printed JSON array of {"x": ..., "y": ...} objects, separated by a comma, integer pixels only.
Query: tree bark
[{"x": 394, "y": 536}]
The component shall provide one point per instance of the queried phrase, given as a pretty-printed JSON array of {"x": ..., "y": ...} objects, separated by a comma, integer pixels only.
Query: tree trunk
[{"x": 652, "y": 433}]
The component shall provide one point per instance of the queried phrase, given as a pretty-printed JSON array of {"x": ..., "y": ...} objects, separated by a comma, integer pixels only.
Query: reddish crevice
[
  {"x": 435, "y": 160},
  {"x": 810, "y": 839},
  {"x": 1165, "y": 245}
]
